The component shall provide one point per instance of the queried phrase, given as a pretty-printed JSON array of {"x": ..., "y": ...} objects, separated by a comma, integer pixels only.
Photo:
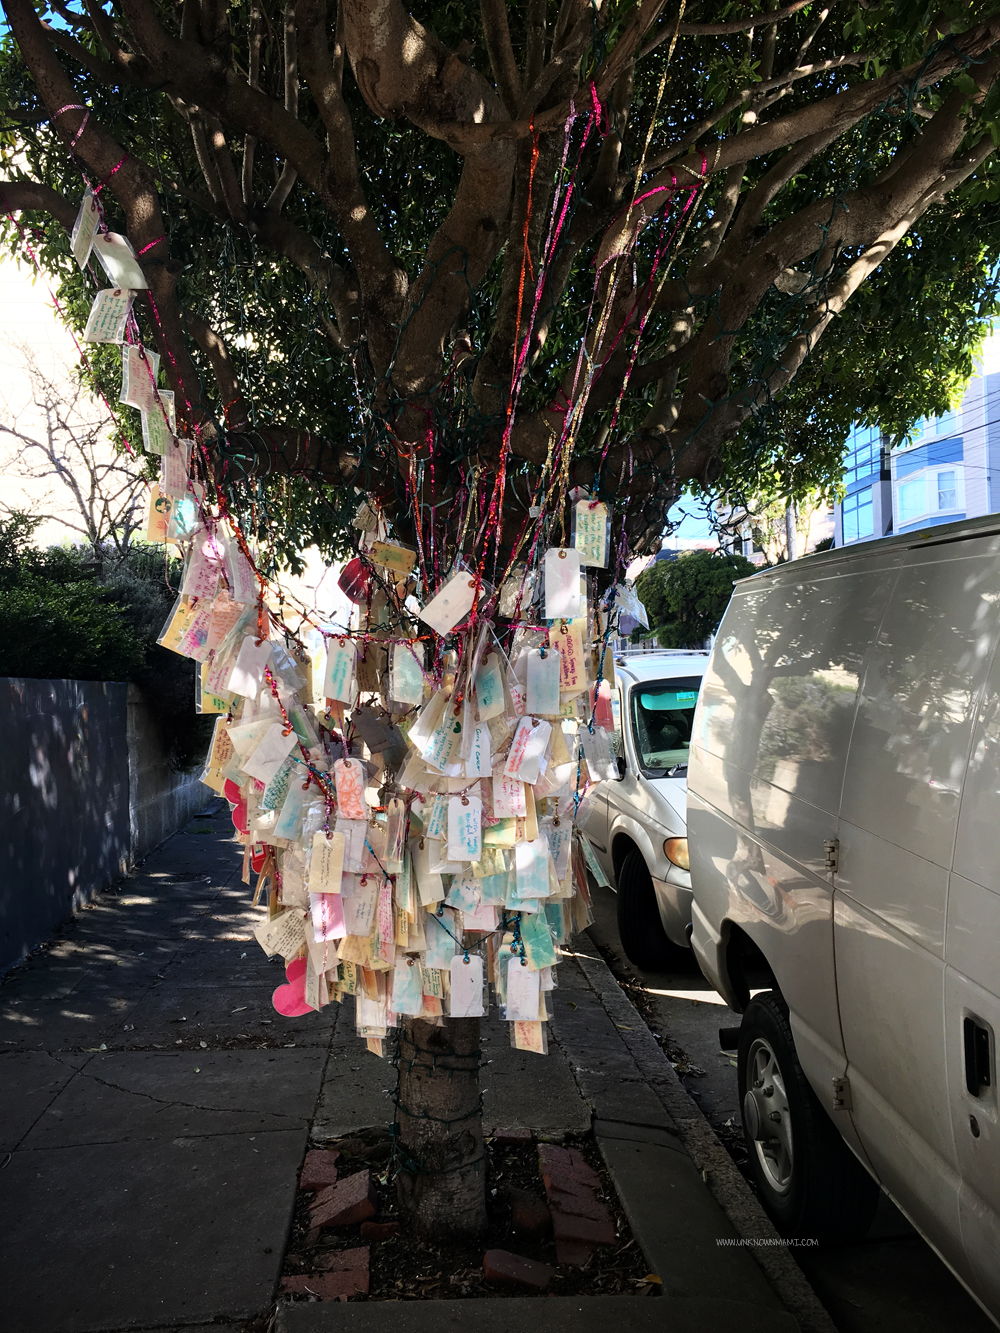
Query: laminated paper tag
[
  {"x": 543, "y": 682},
  {"x": 159, "y": 515},
  {"x": 523, "y": 989},
  {"x": 482, "y": 917},
  {"x": 239, "y": 572},
  {"x": 327, "y": 913},
  {"x": 397, "y": 558},
  {"x": 436, "y": 818},
  {"x": 562, "y": 583},
  {"x": 395, "y": 842},
  {"x": 429, "y": 884},
  {"x": 524, "y": 759},
  {"x": 340, "y": 664},
  {"x": 591, "y": 536},
  {"x": 174, "y": 468},
  {"x": 406, "y": 677},
  {"x": 451, "y": 604},
  {"x": 286, "y": 934},
  {"x": 201, "y": 577},
  {"x": 159, "y": 423},
  {"x": 139, "y": 370},
  {"x": 85, "y": 227},
  {"x": 108, "y": 315},
  {"x": 489, "y": 689},
  {"x": 270, "y": 754},
  {"x": 407, "y": 987},
  {"x": 465, "y": 828},
  {"x": 597, "y": 752},
  {"x": 568, "y": 639},
  {"x": 509, "y": 801},
  {"x": 445, "y": 744},
  {"x": 558, "y": 834},
  {"x": 350, "y": 779},
  {"x": 531, "y": 862},
  {"x": 353, "y": 832},
  {"x": 248, "y": 671},
  {"x": 479, "y": 762},
  {"x": 326, "y": 868},
  {"x": 119, "y": 262},
  {"x": 466, "y": 986}
]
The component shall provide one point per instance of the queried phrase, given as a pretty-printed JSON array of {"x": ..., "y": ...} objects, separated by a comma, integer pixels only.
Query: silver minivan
[
  {"x": 844, "y": 837},
  {"x": 636, "y": 823}
]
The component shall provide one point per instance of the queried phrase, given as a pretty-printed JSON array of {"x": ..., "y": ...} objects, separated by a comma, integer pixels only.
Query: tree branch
[{"x": 501, "y": 54}]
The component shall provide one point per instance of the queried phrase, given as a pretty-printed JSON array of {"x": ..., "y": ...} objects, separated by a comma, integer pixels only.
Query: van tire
[
  {"x": 827, "y": 1195},
  {"x": 639, "y": 926}
]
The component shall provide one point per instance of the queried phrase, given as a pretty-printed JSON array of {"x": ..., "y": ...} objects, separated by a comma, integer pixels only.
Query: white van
[
  {"x": 844, "y": 837},
  {"x": 636, "y": 823}
]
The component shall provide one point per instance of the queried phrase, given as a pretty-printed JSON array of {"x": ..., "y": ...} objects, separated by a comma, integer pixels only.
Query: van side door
[
  {"x": 972, "y": 998},
  {"x": 899, "y": 814}
]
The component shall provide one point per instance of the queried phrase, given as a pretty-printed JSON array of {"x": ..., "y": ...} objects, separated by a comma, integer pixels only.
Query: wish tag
[
  {"x": 590, "y": 532},
  {"x": 268, "y": 756},
  {"x": 85, "y": 227},
  {"x": 400, "y": 559},
  {"x": 406, "y": 675},
  {"x": 407, "y": 987},
  {"x": 524, "y": 759},
  {"x": 338, "y": 683},
  {"x": 174, "y": 468},
  {"x": 119, "y": 262},
  {"x": 467, "y": 986},
  {"x": 558, "y": 834},
  {"x": 239, "y": 572},
  {"x": 597, "y": 752},
  {"x": 350, "y": 780},
  {"x": 523, "y": 989},
  {"x": 562, "y": 583},
  {"x": 509, "y": 800},
  {"x": 436, "y": 818},
  {"x": 159, "y": 423},
  {"x": 483, "y": 917},
  {"x": 158, "y": 518},
  {"x": 326, "y": 911},
  {"x": 489, "y": 689},
  {"x": 543, "y": 682},
  {"x": 201, "y": 576},
  {"x": 326, "y": 867},
  {"x": 139, "y": 370},
  {"x": 531, "y": 864},
  {"x": 353, "y": 831},
  {"x": 286, "y": 934},
  {"x": 568, "y": 639},
  {"x": 395, "y": 840},
  {"x": 359, "y": 908},
  {"x": 108, "y": 316},
  {"x": 429, "y": 883},
  {"x": 465, "y": 828},
  {"x": 248, "y": 672},
  {"x": 478, "y": 764},
  {"x": 445, "y": 744},
  {"x": 440, "y": 938},
  {"x": 451, "y": 604}
]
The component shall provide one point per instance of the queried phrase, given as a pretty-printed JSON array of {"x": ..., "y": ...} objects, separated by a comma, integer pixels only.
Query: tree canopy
[
  {"x": 465, "y": 262},
  {"x": 685, "y": 598}
]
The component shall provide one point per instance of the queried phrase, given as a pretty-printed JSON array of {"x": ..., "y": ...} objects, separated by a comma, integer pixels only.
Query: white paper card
[
  {"x": 406, "y": 679},
  {"x": 531, "y": 863},
  {"x": 108, "y": 314},
  {"x": 353, "y": 832},
  {"x": 479, "y": 762},
  {"x": 523, "y": 984},
  {"x": 489, "y": 689},
  {"x": 248, "y": 671},
  {"x": 159, "y": 423},
  {"x": 326, "y": 865},
  {"x": 597, "y": 752},
  {"x": 174, "y": 468},
  {"x": 509, "y": 800},
  {"x": 465, "y": 828},
  {"x": 84, "y": 227},
  {"x": 524, "y": 759},
  {"x": 562, "y": 583},
  {"x": 119, "y": 261},
  {"x": 543, "y": 682},
  {"x": 467, "y": 986},
  {"x": 451, "y": 604},
  {"x": 140, "y": 368},
  {"x": 271, "y": 753},
  {"x": 407, "y": 987},
  {"x": 340, "y": 661},
  {"x": 591, "y": 535}
]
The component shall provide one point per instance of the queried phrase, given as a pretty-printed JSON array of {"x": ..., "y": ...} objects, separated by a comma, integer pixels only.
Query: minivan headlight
[{"x": 676, "y": 850}]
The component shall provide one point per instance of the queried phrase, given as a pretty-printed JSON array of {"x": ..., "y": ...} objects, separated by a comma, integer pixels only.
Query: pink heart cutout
[{"x": 290, "y": 999}]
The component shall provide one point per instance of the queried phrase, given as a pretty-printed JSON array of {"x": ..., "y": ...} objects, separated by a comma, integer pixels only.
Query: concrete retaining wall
[{"x": 85, "y": 791}]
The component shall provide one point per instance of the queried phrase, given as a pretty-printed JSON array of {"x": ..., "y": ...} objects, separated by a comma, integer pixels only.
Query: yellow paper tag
[{"x": 396, "y": 558}]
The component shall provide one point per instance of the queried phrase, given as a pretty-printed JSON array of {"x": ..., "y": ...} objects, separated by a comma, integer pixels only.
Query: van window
[{"x": 661, "y": 724}]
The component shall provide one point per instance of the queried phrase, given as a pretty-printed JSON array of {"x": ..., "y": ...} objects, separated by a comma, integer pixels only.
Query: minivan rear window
[{"x": 661, "y": 712}]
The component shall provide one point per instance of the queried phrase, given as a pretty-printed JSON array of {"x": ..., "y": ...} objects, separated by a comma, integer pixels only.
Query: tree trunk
[{"x": 441, "y": 1177}]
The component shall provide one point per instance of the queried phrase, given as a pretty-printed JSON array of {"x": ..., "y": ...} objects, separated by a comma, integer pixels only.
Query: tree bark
[{"x": 441, "y": 1175}]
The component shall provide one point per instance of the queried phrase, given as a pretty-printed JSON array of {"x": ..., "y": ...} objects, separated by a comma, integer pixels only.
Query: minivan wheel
[
  {"x": 808, "y": 1179},
  {"x": 639, "y": 926}
]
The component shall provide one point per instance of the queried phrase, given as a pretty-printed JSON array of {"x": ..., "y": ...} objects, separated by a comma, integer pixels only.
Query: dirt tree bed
[{"x": 404, "y": 1268}]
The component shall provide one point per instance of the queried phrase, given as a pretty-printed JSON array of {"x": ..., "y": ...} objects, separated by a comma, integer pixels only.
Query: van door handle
[{"x": 977, "y": 1056}]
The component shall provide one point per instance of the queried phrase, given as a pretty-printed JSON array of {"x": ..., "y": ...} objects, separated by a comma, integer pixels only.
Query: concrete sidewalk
[{"x": 155, "y": 1111}]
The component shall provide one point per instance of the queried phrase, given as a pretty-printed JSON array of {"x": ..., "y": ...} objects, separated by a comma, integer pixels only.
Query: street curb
[{"x": 717, "y": 1168}]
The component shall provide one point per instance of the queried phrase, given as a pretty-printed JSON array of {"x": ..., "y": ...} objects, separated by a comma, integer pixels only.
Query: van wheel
[
  {"x": 808, "y": 1179},
  {"x": 639, "y": 926}
]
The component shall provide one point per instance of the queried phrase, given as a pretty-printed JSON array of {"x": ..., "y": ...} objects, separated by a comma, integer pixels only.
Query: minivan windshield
[{"x": 661, "y": 724}]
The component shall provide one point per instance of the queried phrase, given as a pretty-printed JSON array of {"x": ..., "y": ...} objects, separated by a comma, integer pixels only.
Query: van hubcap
[{"x": 765, "y": 1115}]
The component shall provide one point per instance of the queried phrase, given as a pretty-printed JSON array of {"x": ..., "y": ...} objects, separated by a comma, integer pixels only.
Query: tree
[
  {"x": 686, "y": 598},
  {"x": 74, "y": 450},
  {"x": 515, "y": 252}
]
